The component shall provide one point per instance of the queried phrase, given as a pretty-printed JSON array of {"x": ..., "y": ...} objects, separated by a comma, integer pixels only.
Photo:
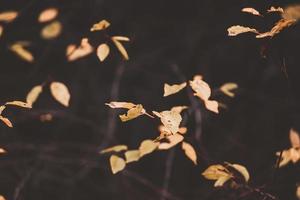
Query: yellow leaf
[
  {"x": 60, "y": 93},
  {"x": 19, "y": 49},
  {"x": 227, "y": 89},
  {"x": 18, "y": 103},
  {"x": 133, "y": 113},
  {"x": 51, "y": 30},
  {"x": 34, "y": 94},
  {"x": 170, "y": 119},
  {"x": 47, "y": 15},
  {"x": 103, "y": 24},
  {"x": 179, "y": 109},
  {"x": 115, "y": 104},
  {"x": 212, "y": 106},
  {"x": 102, "y": 51},
  {"x": 173, "y": 89},
  {"x": 121, "y": 48},
  {"x": 121, "y": 38},
  {"x": 132, "y": 156},
  {"x": 294, "y": 138},
  {"x": 173, "y": 140},
  {"x": 220, "y": 182},
  {"x": 146, "y": 147},
  {"x": 251, "y": 11},
  {"x": 242, "y": 170},
  {"x": 200, "y": 87},
  {"x": 8, "y": 16},
  {"x": 237, "y": 29},
  {"x": 189, "y": 152},
  {"x": 116, "y": 148},
  {"x": 6, "y": 121},
  {"x": 84, "y": 49},
  {"x": 215, "y": 172},
  {"x": 117, "y": 164}
]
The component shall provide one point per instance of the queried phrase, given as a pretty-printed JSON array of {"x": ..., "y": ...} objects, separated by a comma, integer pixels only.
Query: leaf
[
  {"x": 102, "y": 51},
  {"x": 273, "y": 9},
  {"x": 214, "y": 172},
  {"x": 2, "y": 197},
  {"x": 6, "y": 121},
  {"x": 2, "y": 151},
  {"x": 173, "y": 89},
  {"x": 291, "y": 12},
  {"x": 83, "y": 50},
  {"x": 251, "y": 11},
  {"x": 116, "y": 148},
  {"x": 212, "y": 106},
  {"x": 8, "y": 16},
  {"x": 48, "y": 15},
  {"x": 121, "y": 48},
  {"x": 133, "y": 113},
  {"x": 103, "y": 24},
  {"x": 117, "y": 164},
  {"x": 19, "y": 103},
  {"x": 147, "y": 147},
  {"x": 279, "y": 26},
  {"x": 1, "y": 30},
  {"x": 298, "y": 192},
  {"x": 179, "y": 109},
  {"x": 170, "y": 119},
  {"x": 227, "y": 89},
  {"x": 294, "y": 138},
  {"x": 242, "y": 170},
  {"x": 189, "y": 152},
  {"x": 173, "y": 140},
  {"x": 121, "y": 38},
  {"x": 182, "y": 130},
  {"x": 51, "y": 30},
  {"x": 200, "y": 87},
  {"x": 19, "y": 49},
  {"x": 33, "y": 95},
  {"x": 220, "y": 182},
  {"x": 60, "y": 93},
  {"x": 237, "y": 29},
  {"x": 115, "y": 104},
  {"x": 2, "y": 108},
  {"x": 132, "y": 156}
]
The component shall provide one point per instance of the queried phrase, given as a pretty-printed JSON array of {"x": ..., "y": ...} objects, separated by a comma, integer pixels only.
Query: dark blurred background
[{"x": 170, "y": 42}]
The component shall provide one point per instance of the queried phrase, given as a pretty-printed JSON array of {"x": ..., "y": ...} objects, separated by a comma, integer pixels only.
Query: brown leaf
[
  {"x": 227, "y": 89},
  {"x": 102, "y": 51},
  {"x": 147, "y": 147},
  {"x": 6, "y": 121},
  {"x": 189, "y": 152},
  {"x": 116, "y": 148},
  {"x": 237, "y": 29},
  {"x": 51, "y": 30},
  {"x": 103, "y": 24},
  {"x": 33, "y": 95},
  {"x": 19, "y": 49},
  {"x": 83, "y": 50},
  {"x": 117, "y": 164},
  {"x": 8, "y": 16},
  {"x": 48, "y": 15},
  {"x": 60, "y": 92},
  {"x": 294, "y": 138},
  {"x": 173, "y": 89},
  {"x": 132, "y": 156},
  {"x": 170, "y": 119},
  {"x": 19, "y": 103},
  {"x": 251, "y": 11},
  {"x": 173, "y": 140},
  {"x": 121, "y": 48}
]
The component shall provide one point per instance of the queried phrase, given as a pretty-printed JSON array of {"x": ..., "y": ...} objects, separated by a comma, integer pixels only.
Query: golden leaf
[
  {"x": 8, "y": 16},
  {"x": 170, "y": 119},
  {"x": 242, "y": 170},
  {"x": 237, "y": 29},
  {"x": 132, "y": 156},
  {"x": 179, "y": 109},
  {"x": 218, "y": 173},
  {"x": 51, "y": 30},
  {"x": 133, "y": 113},
  {"x": 189, "y": 152},
  {"x": 34, "y": 94},
  {"x": 212, "y": 106},
  {"x": 251, "y": 11},
  {"x": 173, "y": 89},
  {"x": 19, "y": 49},
  {"x": 220, "y": 182},
  {"x": 173, "y": 140},
  {"x": 103, "y": 24},
  {"x": 116, "y": 148},
  {"x": 115, "y": 104},
  {"x": 200, "y": 87},
  {"x": 294, "y": 138},
  {"x": 117, "y": 164},
  {"x": 102, "y": 51},
  {"x": 273, "y": 9},
  {"x": 227, "y": 89},
  {"x": 83, "y": 50},
  {"x": 6, "y": 121},
  {"x": 121, "y": 48},
  {"x": 18, "y": 103},
  {"x": 121, "y": 38},
  {"x": 60, "y": 93},
  {"x": 47, "y": 15},
  {"x": 146, "y": 147},
  {"x": 279, "y": 26}
]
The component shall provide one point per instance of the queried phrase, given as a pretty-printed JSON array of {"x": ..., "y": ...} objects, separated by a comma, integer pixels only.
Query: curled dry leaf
[
  {"x": 33, "y": 95},
  {"x": 132, "y": 156},
  {"x": 273, "y": 9},
  {"x": 102, "y": 51},
  {"x": 6, "y": 121},
  {"x": 251, "y": 11},
  {"x": 83, "y": 50},
  {"x": 170, "y": 119},
  {"x": 173, "y": 89},
  {"x": 103, "y": 24},
  {"x": 121, "y": 48},
  {"x": 117, "y": 164},
  {"x": 279, "y": 26},
  {"x": 51, "y": 30},
  {"x": 227, "y": 89},
  {"x": 60, "y": 92},
  {"x": 133, "y": 113},
  {"x": 189, "y": 152},
  {"x": 18, "y": 103},
  {"x": 19, "y": 49},
  {"x": 121, "y": 38},
  {"x": 48, "y": 15},
  {"x": 116, "y": 148},
  {"x": 237, "y": 29},
  {"x": 173, "y": 140},
  {"x": 146, "y": 147},
  {"x": 8, "y": 16},
  {"x": 218, "y": 173},
  {"x": 115, "y": 104}
]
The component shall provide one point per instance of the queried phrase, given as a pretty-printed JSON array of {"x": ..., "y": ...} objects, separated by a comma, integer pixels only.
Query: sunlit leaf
[
  {"x": 146, "y": 147},
  {"x": 117, "y": 164},
  {"x": 121, "y": 38},
  {"x": 294, "y": 138},
  {"x": 20, "y": 50},
  {"x": 132, "y": 156},
  {"x": 116, "y": 148},
  {"x": 179, "y": 109},
  {"x": 48, "y": 15},
  {"x": 200, "y": 87},
  {"x": 83, "y": 50},
  {"x": 6, "y": 121},
  {"x": 8, "y": 16},
  {"x": 173, "y": 89},
  {"x": 102, "y": 51},
  {"x": 51, "y": 30},
  {"x": 170, "y": 119},
  {"x": 220, "y": 182},
  {"x": 2, "y": 197},
  {"x": 115, "y": 104},
  {"x": 273, "y": 9},
  {"x": 2, "y": 151},
  {"x": 237, "y": 29},
  {"x": 242, "y": 170},
  {"x": 133, "y": 113},
  {"x": 103, "y": 24},
  {"x": 18, "y": 103},
  {"x": 279, "y": 26},
  {"x": 60, "y": 92},
  {"x": 173, "y": 140},
  {"x": 215, "y": 172},
  {"x": 291, "y": 12},
  {"x": 212, "y": 106},
  {"x": 251, "y": 11},
  {"x": 33, "y": 95},
  {"x": 121, "y": 48},
  {"x": 227, "y": 89},
  {"x": 189, "y": 152},
  {"x": 2, "y": 108}
]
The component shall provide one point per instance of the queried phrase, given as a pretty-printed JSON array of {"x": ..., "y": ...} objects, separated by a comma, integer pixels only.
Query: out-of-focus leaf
[
  {"x": 189, "y": 152},
  {"x": 6, "y": 121},
  {"x": 170, "y": 119},
  {"x": 173, "y": 89},
  {"x": 2, "y": 151},
  {"x": 2, "y": 197},
  {"x": 18, "y": 103},
  {"x": 294, "y": 138},
  {"x": 251, "y": 11},
  {"x": 179, "y": 109},
  {"x": 60, "y": 92},
  {"x": 1, "y": 30},
  {"x": 116, "y": 148},
  {"x": 117, "y": 164},
  {"x": 51, "y": 30},
  {"x": 2, "y": 108},
  {"x": 121, "y": 38},
  {"x": 273, "y": 9},
  {"x": 33, "y": 95},
  {"x": 212, "y": 106},
  {"x": 83, "y": 50},
  {"x": 279, "y": 26},
  {"x": 103, "y": 24},
  {"x": 227, "y": 89},
  {"x": 146, "y": 147},
  {"x": 173, "y": 140},
  {"x": 102, "y": 51},
  {"x": 19, "y": 49},
  {"x": 8, "y": 16},
  {"x": 237, "y": 29},
  {"x": 291, "y": 12},
  {"x": 298, "y": 192},
  {"x": 48, "y": 15},
  {"x": 132, "y": 156},
  {"x": 121, "y": 48}
]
